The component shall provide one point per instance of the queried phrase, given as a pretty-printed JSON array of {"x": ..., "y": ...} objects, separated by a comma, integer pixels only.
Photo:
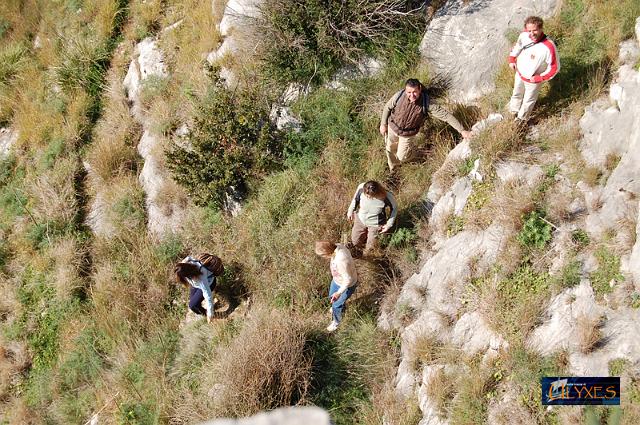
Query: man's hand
[
  {"x": 350, "y": 216},
  {"x": 512, "y": 66},
  {"x": 383, "y": 129},
  {"x": 536, "y": 79},
  {"x": 335, "y": 297},
  {"x": 466, "y": 134}
]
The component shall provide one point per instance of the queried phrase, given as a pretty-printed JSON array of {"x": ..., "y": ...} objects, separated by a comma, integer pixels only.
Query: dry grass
[
  {"x": 440, "y": 390},
  {"x": 171, "y": 195},
  {"x": 14, "y": 360},
  {"x": 112, "y": 153},
  {"x": 53, "y": 192},
  {"x": 69, "y": 262},
  {"x": 146, "y": 18},
  {"x": 264, "y": 367},
  {"x": 589, "y": 332},
  {"x": 496, "y": 144},
  {"x": 505, "y": 205},
  {"x": 32, "y": 118},
  {"x": 388, "y": 407}
]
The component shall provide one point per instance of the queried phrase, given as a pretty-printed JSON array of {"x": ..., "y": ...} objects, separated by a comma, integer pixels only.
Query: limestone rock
[
  {"x": 236, "y": 14},
  {"x": 283, "y": 416},
  {"x": 437, "y": 189},
  {"x": 472, "y": 334},
  {"x": 429, "y": 410},
  {"x": 511, "y": 171},
  {"x": 487, "y": 123},
  {"x": 629, "y": 52},
  {"x": 508, "y": 409},
  {"x": 472, "y": 58},
  {"x": 284, "y": 119},
  {"x": 148, "y": 61},
  {"x": 451, "y": 203},
  {"x": 611, "y": 142},
  {"x": 620, "y": 332},
  {"x": 8, "y": 138},
  {"x": 240, "y": 34},
  {"x": 567, "y": 312},
  {"x": 366, "y": 67},
  {"x": 165, "y": 201}
]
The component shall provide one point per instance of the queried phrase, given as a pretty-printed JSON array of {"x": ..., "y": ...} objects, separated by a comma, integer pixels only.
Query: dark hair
[
  {"x": 186, "y": 271},
  {"x": 413, "y": 83},
  {"x": 374, "y": 189},
  {"x": 533, "y": 20}
]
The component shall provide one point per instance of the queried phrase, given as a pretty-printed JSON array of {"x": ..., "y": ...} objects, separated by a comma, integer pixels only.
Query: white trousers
[{"x": 524, "y": 97}]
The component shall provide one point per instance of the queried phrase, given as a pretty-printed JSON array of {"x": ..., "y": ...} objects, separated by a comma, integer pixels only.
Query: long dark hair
[
  {"x": 373, "y": 189},
  {"x": 186, "y": 271}
]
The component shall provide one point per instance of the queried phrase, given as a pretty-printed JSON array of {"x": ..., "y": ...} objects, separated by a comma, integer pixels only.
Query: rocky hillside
[{"x": 137, "y": 132}]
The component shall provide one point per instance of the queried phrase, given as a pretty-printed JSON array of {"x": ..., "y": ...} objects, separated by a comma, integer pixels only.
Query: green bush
[
  {"x": 137, "y": 414},
  {"x": 580, "y": 238},
  {"x": 231, "y": 142},
  {"x": 536, "y": 232},
  {"x": 315, "y": 37},
  {"x": 402, "y": 237},
  {"x": 571, "y": 274}
]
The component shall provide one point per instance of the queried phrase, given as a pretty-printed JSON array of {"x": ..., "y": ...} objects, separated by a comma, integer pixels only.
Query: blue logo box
[{"x": 567, "y": 390}]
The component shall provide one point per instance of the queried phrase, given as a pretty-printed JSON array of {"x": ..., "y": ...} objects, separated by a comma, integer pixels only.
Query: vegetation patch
[
  {"x": 314, "y": 38},
  {"x": 231, "y": 142},
  {"x": 536, "y": 231},
  {"x": 608, "y": 271}
]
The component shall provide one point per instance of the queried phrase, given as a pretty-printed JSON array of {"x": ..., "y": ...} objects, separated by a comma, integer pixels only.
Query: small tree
[{"x": 231, "y": 142}]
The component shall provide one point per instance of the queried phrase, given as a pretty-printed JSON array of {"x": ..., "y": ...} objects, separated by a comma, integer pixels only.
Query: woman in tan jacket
[{"x": 344, "y": 278}]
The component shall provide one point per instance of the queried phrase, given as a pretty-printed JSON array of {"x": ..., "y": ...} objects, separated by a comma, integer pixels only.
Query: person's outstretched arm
[{"x": 443, "y": 115}]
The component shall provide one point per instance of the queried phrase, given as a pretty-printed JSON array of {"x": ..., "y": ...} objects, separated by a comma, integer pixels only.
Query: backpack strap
[
  {"x": 533, "y": 43},
  {"x": 397, "y": 98},
  {"x": 425, "y": 103}
]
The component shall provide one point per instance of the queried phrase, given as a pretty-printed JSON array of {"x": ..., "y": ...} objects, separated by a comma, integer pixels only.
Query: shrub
[
  {"x": 231, "y": 142},
  {"x": 314, "y": 38},
  {"x": 571, "y": 274},
  {"x": 402, "y": 237},
  {"x": 580, "y": 238},
  {"x": 536, "y": 231}
]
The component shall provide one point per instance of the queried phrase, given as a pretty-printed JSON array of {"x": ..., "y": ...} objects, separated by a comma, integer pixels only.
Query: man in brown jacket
[{"x": 402, "y": 117}]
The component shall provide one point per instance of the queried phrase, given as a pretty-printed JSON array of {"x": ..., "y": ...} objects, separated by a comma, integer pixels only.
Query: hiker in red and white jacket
[{"x": 535, "y": 60}]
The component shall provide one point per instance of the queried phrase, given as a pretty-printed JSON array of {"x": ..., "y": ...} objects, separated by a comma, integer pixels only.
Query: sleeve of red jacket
[{"x": 553, "y": 63}]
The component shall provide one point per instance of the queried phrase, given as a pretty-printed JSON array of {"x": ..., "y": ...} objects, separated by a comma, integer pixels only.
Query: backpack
[
  {"x": 425, "y": 101},
  {"x": 212, "y": 262}
]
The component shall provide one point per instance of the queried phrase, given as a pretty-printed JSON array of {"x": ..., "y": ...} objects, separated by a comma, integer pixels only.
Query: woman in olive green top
[{"x": 368, "y": 213}]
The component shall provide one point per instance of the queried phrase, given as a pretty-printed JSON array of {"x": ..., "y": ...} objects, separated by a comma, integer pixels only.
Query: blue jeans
[{"x": 338, "y": 306}]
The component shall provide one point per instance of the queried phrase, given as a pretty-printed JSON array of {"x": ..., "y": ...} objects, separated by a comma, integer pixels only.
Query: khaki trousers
[
  {"x": 362, "y": 235},
  {"x": 398, "y": 148},
  {"x": 524, "y": 97}
]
